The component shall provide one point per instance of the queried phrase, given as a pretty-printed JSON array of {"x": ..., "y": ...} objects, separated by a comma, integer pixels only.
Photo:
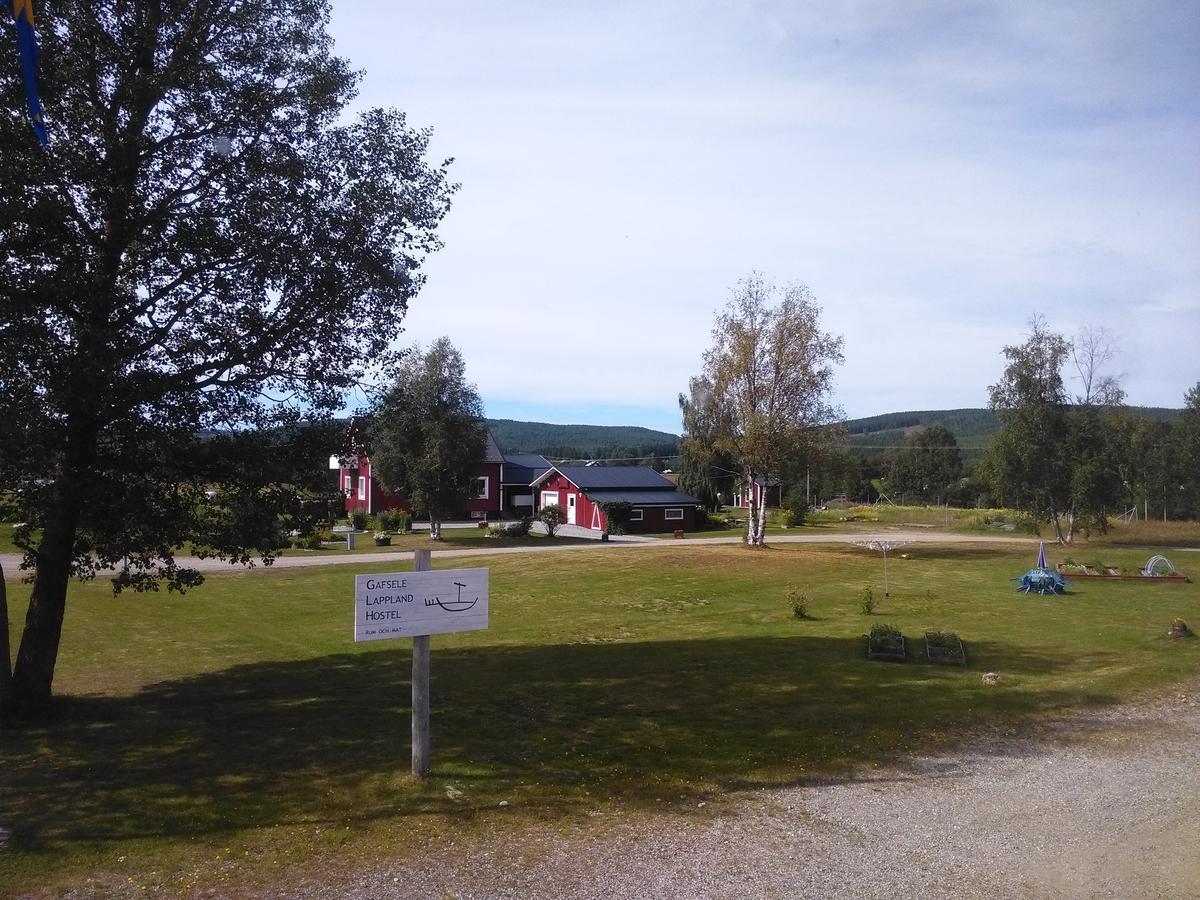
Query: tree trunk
[
  {"x": 33, "y": 674},
  {"x": 1070, "y": 525},
  {"x": 5, "y": 652},
  {"x": 1058, "y": 532},
  {"x": 751, "y": 507},
  {"x": 760, "y": 536}
]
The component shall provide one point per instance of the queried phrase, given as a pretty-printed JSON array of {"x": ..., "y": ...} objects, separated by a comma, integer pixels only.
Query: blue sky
[{"x": 935, "y": 172}]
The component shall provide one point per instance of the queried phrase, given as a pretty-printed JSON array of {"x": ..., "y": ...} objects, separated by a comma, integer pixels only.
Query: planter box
[
  {"x": 889, "y": 649},
  {"x": 946, "y": 656}
]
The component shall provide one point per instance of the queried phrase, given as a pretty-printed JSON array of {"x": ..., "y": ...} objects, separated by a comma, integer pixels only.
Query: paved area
[{"x": 1104, "y": 804}]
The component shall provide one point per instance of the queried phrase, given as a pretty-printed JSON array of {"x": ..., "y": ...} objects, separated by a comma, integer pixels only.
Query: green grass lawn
[{"x": 216, "y": 737}]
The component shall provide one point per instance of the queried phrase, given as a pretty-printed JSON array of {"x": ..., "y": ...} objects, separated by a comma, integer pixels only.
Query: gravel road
[
  {"x": 11, "y": 561},
  {"x": 1104, "y": 804}
]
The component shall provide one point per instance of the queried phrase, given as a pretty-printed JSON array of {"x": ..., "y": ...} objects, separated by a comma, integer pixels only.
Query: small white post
[{"x": 420, "y": 686}]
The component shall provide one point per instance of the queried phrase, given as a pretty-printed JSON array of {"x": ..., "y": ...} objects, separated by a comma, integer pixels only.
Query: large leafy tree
[
  {"x": 428, "y": 436},
  {"x": 206, "y": 247},
  {"x": 929, "y": 465},
  {"x": 768, "y": 376},
  {"x": 1059, "y": 461}
]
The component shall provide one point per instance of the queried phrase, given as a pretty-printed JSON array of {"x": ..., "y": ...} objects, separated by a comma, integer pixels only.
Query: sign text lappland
[{"x": 404, "y": 604}]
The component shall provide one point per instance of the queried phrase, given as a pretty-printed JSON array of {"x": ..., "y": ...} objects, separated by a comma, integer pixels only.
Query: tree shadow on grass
[{"x": 552, "y": 728}]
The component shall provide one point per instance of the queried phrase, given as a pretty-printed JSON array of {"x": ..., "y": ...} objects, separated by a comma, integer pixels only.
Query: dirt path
[
  {"x": 381, "y": 560},
  {"x": 1105, "y": 804}
]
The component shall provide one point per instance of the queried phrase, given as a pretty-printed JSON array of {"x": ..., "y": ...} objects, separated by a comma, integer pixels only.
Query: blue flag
[{"x": 22, "y": 12}]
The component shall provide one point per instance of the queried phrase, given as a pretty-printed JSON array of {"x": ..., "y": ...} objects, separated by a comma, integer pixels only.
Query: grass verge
[{"x": 209, "y": 740}]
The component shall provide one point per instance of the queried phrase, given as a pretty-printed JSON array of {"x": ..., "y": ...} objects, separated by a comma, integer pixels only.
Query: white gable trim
[{"x": 554, "y": 471}]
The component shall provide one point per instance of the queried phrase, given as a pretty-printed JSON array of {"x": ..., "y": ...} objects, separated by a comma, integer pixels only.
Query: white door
[{"x": 570, "y": 509}]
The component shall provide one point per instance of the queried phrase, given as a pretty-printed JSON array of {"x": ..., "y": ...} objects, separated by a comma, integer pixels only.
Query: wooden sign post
[
  {"x": 417, "y": 604},
  {"x": 422, "y": 562}
]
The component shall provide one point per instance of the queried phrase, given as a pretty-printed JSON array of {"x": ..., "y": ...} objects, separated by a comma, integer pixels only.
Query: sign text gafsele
[{"x": 404, "y": 604}]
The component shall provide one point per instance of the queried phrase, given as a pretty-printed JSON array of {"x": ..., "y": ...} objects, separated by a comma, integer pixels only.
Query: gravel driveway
[
  {"x": 11, "y": 561},
  {"x": 1101, "y": 805}
]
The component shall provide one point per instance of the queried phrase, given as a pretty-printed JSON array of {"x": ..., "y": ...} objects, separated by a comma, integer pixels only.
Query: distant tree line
[{"x": 1072, "y": 459}]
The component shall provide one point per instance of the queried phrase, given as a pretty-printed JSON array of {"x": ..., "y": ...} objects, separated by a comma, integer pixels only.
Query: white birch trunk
[
  {"x": 761, "y": 535},
  {"x": 751, "y": 509}
]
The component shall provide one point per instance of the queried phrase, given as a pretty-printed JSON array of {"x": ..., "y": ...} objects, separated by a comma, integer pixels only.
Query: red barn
[{"x": 581, "y": 492}]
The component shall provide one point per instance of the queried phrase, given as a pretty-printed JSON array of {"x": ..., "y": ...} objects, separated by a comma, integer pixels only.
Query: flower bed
[{"x": 885, "y": 642}]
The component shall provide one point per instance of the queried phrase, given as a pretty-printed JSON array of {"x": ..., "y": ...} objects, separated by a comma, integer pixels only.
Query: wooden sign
[{"x": 407, "y": 604}]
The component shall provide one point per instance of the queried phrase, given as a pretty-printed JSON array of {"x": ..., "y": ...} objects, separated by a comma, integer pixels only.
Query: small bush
[
  {"x": 389, "y": 520},
  {"x": 310, "y": 541},
  {"x": 551, "y": 517},
  {"x": 868, "y": 601},
  {"x": 359, "y": 519},
  {"x": 519, "y": 528},
  {"x": 383, "y": 539},
  {"x": 796, "y": 507},
  {"x": 800, "y": 603}
]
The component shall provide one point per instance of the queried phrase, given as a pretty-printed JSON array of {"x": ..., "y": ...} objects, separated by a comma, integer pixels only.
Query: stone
[{"x": 991, "y": 678}]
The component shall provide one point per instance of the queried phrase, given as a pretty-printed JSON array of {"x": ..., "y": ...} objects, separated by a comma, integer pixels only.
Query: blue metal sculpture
[{"x": 1041, "y": 579}]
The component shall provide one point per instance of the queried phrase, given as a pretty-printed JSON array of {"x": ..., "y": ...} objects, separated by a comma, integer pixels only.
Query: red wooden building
[
  {"x": 502, "y": 486},
  {"x": 771, "y": 488},
  {"x": 581, "y": 491}
]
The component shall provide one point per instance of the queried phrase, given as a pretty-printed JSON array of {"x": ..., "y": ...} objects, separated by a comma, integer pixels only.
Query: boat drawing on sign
[{"x": 456, "y": 605}]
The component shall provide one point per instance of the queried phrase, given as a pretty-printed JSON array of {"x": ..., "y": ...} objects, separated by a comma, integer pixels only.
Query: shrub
[
  {"x": 311, "y": 541},
  {"x": 383, "y": 539},
  {"x": 359, "y": 519},
  {"x": 869, "y": 603},
  {"x": 519, "y": 528},
  {"x": 551, "y": 517},
  {"x": 800, "y": 603},
  {"x": 617, "y": 515},
  {"x": 796, "y": 508},
  {"x": 10, "y": 508},
  {"x": 390, "y": 520}
]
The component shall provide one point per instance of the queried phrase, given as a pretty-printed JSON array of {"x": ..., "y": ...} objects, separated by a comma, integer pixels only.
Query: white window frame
[
  {"x": 668, "y": 515},
  {"x": 545, "y": 502},
  {"x": 482, "y": 495},
  {"x": 362, "y": 487},
  {"x": 349, "y": 485},
  {"x": 637, "y": 515}
]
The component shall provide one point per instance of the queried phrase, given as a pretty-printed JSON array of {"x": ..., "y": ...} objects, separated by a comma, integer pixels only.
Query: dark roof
[
  {"x": 616, "y": 478},
  {"x": 644, "y": 498},
  {"x": 527, "y": 461},
  {"x": 492, "y": 452},
  {"x": 524, "y": 468}
]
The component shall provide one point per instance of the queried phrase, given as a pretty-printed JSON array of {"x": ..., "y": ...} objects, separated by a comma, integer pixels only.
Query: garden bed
[
  {"x": 887, "y": 643},
  {"x": 945, "y": 648}
]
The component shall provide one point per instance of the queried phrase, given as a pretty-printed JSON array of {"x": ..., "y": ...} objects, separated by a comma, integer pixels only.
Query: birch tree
[
  {"x": 768, "y": 377},
  {"x": 428, "y": 438}
]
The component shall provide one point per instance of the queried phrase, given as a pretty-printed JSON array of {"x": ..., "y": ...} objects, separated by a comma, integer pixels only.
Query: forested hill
[
  {"x": 974, "y": 428},
  {"x": 579, "y": 440}
]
